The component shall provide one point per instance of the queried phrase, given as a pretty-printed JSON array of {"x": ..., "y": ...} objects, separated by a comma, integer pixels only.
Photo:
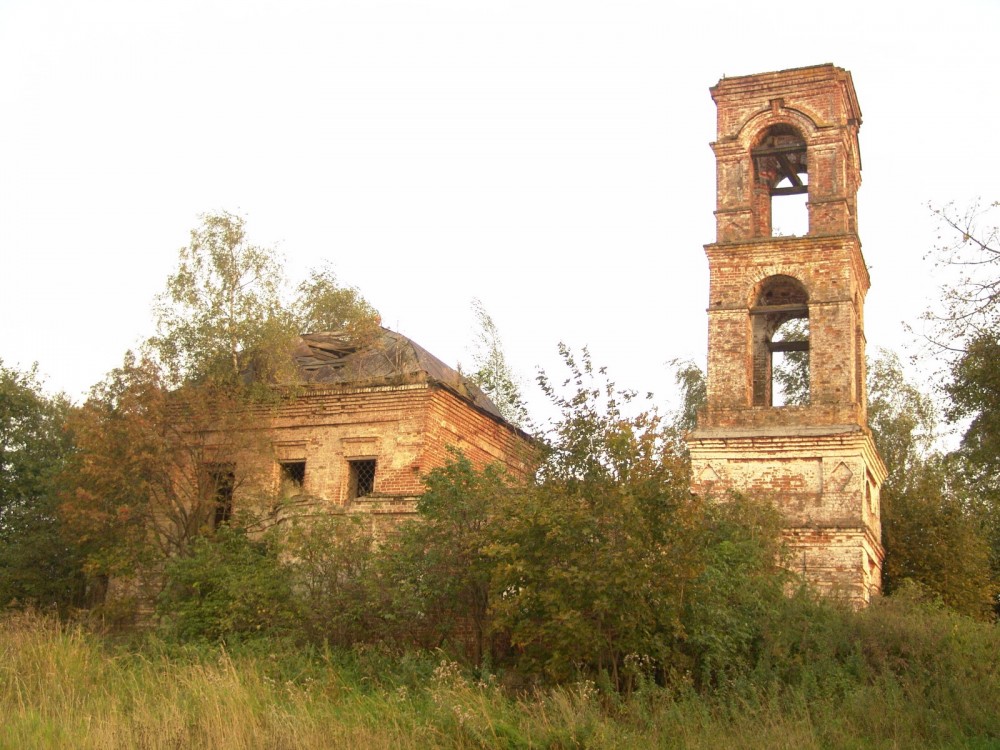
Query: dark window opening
[
  {"x": 782, "y": 182},
  {"x": 780, "y": 326},
  {"x": 221, "y": 480},
  {"x": 293, "y": 477},
  {"x": 361, "y": 478}
]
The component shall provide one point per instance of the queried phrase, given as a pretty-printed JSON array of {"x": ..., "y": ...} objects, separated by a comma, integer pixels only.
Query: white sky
[{"x": 547, "y": 156}]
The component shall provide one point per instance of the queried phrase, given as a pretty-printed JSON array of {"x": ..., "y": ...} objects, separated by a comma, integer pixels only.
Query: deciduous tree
[
  {"x": 335, "y": 573},
  {"x": 447, "y": 549},
  {"x": 694, "y": 394},
  {"x": 222, "y": 315},
  {"x": 229, "y": 588},
  {"x": 964, "y": 332},
  {"x": 493, "y": 373},
  {"x": 37, "y": 563},
  {"x": 174, "y": 443},
  {"x": 967, "y": 256},
  {"x": 154, "y": 469},
  {"x": 930, "y": 532},
  {"x": 595, "y": 561},
  {"x": 323, "y": 304}
]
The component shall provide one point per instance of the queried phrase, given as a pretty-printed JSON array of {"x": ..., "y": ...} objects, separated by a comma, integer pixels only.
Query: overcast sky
[{"x": 547, "y": 156}]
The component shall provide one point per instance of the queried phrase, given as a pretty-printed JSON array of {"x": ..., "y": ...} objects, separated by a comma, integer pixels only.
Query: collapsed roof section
[{"x": 336, "y": 358}]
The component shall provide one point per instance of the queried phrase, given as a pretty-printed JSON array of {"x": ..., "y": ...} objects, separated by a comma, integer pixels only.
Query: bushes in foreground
[
  {"x": 557, "y": 582},
  {"x": 604, "y": 567}
]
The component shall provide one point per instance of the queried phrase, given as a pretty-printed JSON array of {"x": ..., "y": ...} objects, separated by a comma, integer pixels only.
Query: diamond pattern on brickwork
[{"x": 840, "y": 477}]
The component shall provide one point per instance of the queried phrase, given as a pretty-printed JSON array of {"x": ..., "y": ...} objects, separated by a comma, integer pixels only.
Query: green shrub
[
  {"x": 739, "y": 592},
  {"x": 228, "y": 587},
  {"x": 331, "y": 563}
]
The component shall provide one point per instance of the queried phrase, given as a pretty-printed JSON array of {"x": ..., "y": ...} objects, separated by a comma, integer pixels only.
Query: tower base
[{"x": 825, "y": 482}]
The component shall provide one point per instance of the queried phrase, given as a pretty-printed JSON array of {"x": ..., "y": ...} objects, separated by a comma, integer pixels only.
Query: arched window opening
[
  {"x": 780, "y": 327},
  {"x": 781, "y": 182}
]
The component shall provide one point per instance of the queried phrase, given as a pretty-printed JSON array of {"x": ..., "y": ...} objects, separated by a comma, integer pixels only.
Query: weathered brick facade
[
  {"x": 392, "y": 406},
  {"x": 787, "y": 133}
]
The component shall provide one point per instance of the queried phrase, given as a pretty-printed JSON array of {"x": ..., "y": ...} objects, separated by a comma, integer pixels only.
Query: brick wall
[
  {"x": 484, "y": 440},
  {"x": 405, "y": 428}
]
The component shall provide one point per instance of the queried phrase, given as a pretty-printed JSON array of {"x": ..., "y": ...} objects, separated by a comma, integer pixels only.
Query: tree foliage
[
  {"x": 902, "y": 417},
  {"x": 229, "y": 587},
  {"x": 600, "y": 434},
  {"x": 224, "y": 319},
  {"x": 602, "y": 564},
  {"x": 145, "y": 483},
  {"x": 323, "y": 304},
  {"x": 37, "y": 564},
  {"x": 493, "y": 373},
  {"x": 974, "y": 392},
  {"x": 336, "y": 576},
  {"x": 790, "y": 371},
  {"x": 929, "y": 531},
  {"x": 33, "y": 441},
  {"x": 739, "y": 593},
  {"x": 458, "y": 512},
  {"x": 965, "y": 332},
  {"x": 690, "y": 379},
  {"x": 586, "y": 574},
  {"x": 932, "y": 538},
  {"x": 965, "y": 336},
  {"x": 175, "y": 431},
  {"x": 591, "y": 569},
  {"x": 967, "y": 256},
  {"x": 222, "y": 313}
]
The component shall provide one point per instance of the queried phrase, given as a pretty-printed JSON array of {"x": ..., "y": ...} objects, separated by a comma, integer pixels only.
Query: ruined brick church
[
  {"x": 782, "y": 134},
  {"x": 368, "y": 424}
]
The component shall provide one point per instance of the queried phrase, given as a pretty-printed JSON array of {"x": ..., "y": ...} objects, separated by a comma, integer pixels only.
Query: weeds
[{"x": 904, "y": 674}]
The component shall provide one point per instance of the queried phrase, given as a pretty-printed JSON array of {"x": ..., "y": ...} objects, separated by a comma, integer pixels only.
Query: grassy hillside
[{"x": 898, "y": 676}]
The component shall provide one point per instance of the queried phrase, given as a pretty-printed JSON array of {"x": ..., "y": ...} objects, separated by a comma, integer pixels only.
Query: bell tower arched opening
[
  {"x": 781, "y": 182},
  {"x": 779, "y": 319}
]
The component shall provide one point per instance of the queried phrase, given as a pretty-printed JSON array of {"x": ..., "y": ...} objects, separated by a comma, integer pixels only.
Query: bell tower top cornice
[
  {"x": 823, "y": 93},
  {"x": 792, "y": 132}
]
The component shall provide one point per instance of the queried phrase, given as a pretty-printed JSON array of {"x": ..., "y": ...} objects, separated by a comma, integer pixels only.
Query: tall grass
[{"x": 917, "y": 678}]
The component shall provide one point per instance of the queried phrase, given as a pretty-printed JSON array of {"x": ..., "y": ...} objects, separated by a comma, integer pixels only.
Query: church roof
[{"x": 333, "y": 358}]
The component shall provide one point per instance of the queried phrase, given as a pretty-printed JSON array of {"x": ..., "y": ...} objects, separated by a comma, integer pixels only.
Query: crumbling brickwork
[
  {"x": 365, "y": 425},
  {"x": 405, "y": 429},
  {"x": 792, "y": 132}
]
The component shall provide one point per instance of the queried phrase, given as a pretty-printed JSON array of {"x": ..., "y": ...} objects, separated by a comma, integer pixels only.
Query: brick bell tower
[{"x": 783, "y": 137}]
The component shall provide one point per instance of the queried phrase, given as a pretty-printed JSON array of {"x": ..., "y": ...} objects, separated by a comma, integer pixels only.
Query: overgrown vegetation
[{"x": 905, "y": 673}]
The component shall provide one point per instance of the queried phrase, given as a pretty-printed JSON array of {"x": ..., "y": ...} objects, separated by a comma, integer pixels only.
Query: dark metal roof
[{"x": 391, "y": 358}]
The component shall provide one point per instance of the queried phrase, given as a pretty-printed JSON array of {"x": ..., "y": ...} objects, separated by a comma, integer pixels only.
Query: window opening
[
  {"x": 780, "y": 327},
  {"x": 790, "y": 363},
  {"x": 361, "y": 478},
  {"x": 293, "y": 477},
  {"x": 782, "y": 182},
  {"x": 221, "y": 482},
  {"x": 790, "y": 212}
]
